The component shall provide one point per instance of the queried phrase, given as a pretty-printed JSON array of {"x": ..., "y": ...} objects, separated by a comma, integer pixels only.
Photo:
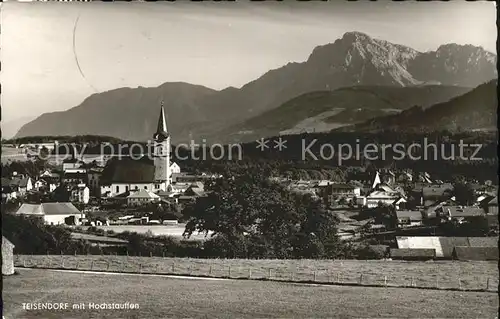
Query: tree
[
  {"x": 464, "y": 193},
  {"x": 262, "y": 218}
]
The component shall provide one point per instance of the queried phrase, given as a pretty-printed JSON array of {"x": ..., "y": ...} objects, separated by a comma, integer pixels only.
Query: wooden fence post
[
  {"x": 437, "y": 282},
  {"x": 314, "y": 276},
  {"x": 77, "y": 264},
  {"x": 385, "y": 281},
  {"x": 488, "y": 283},
  {"x": 210, "y": 271},
  {"x": 270, "y": 274},
  {"x": 250, "y": 274},
  {"x": 163, "y": 254},
  {"x": 140, "y": 268},
  {"x": 361, "y": 279},
  {"x": 338, "y": 277},
  {"x": 62, "y": 263},
  {"x": 127, "y": 252},
  {"x": 229, "y": 271},
  {"x": 459, "y": 283},
  {"x": 413, "y": 282},
  {"x": 107, "y": 266},
  {"x": 156, "y": 269},
  {"x": 173, "y": 267},
  {"x": 150, "y": 254}
]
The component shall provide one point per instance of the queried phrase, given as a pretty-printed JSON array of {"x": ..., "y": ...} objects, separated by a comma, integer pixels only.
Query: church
[{"x": 122, "y": 176}]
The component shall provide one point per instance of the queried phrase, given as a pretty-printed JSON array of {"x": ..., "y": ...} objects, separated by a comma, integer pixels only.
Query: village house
[
  {"x": 80, "y": 193},
  {"x": 460, "y": 213},
  {"x": 432, "y": 194},
  {"x": 333, "y": 191},
  {"x": 23, "y": 184},
  {"x": 409, "y": 218},
  {"x": 142, "y": 197},
  {"x": 93, "y": 178},
  {"x": 71, "y": 164},
  {"x": 9, "y": 191},
  {"x": 492, "y": 206},
  {"x": 52, "y": 213}
]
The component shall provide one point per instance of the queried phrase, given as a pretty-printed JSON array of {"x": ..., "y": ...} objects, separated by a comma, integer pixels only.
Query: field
[
  {"x": 160, "y": 297},
  {"x": 475, "y": 275},
  {"x": 157, "y": 230}
]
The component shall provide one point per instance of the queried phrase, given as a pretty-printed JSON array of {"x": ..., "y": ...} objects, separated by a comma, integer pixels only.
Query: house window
[
  {"x": 136, "y": 188},
  {"x": 126, "y": 188},
  {"x": 145, "y": 187},
  {"x": 117, "y": 189}
]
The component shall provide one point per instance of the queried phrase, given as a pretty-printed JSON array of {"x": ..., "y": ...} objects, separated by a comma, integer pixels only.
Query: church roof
[{"x": 127, "y": 170}]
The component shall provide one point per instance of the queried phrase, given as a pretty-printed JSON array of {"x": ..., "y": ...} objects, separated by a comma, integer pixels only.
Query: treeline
[
  {"x": 296, "y": 163},
  {"x": 79, "y": 139}
]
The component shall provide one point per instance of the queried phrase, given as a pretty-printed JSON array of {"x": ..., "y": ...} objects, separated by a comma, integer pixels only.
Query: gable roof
[
  {"x": 21, "y": 182},
  {"x": 494, "y": 201},
  {"x": 410, "y": 214},
  {"x": 127, "y": 170},
  {"x": 436, "y": 190},
  {"x": 143, "y": 193},
  {"x": 48, "y": 209},
  {"x": 459, "y": 211}
]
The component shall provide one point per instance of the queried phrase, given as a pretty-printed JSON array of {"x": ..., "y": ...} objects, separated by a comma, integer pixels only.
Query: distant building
[
  {"x": 52, "y": 213},
  {"x": 93, "y": 179},
  {"x": 333, "y": 191},
  {"x": 7, "y": 257},
  {"x": 142, "y": 197},
  {"x": 492, "y": 206},
  {"x": 409, "y": 218},
  {"x": 23, "y": 184},
  {"x": 80, "y": 194},
  {"x": 126, "y": 175}
]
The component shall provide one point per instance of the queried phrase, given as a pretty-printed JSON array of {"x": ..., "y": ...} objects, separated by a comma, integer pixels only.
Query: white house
[
  {"x": 80, "y": 194},
  {"x": 142, "y": 197},
  {"x": 175, "y": 168},
  {"x": 409, "y": 218},
  {"x": 53, "y": 213}
]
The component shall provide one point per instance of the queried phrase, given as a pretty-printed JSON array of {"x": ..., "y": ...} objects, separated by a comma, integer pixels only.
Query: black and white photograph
[{"x": 249, "y": 159}]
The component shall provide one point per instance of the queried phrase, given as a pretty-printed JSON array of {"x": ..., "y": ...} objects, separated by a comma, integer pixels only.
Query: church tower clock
[{"x": 161, "y": 153}]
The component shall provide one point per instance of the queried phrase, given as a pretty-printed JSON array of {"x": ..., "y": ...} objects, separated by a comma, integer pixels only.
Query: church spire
[{"x": 161, "y": 130}]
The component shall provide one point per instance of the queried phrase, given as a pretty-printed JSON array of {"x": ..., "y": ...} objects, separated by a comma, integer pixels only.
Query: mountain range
[{"x": 327, "y": 81}]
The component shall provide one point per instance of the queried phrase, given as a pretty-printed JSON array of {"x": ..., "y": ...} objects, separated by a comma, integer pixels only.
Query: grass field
[
  {"x": 160, "y": 297},
  {"x": 443, "y": 274}
]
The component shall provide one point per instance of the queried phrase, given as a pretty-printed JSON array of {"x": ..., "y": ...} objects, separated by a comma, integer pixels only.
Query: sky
[{"x": 49, "y": 65}]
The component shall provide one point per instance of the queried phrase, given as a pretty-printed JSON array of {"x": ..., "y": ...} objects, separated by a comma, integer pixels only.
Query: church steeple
[{"x": 161, "y": 130}]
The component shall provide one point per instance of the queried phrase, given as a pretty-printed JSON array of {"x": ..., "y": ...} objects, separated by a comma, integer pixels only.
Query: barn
[{"x": 7, "y": 257}]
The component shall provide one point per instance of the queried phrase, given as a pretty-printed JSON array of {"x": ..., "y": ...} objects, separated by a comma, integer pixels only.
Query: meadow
[
  {"x": 160, "y": 297},
  {"x": 473, "y": 275}
]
